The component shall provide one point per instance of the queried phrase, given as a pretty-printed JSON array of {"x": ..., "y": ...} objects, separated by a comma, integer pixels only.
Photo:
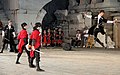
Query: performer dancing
[
  {"x": 35, "y": 42},
  {"x": 99, "y": 27},
  {"x": 23, "y": 41}
]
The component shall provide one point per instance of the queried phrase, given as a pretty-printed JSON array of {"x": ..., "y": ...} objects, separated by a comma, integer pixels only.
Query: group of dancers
[
  {"x": 34, "y": 45},
  {"x": 52, "y": 37},
  {"x": 49, "y": 37}
]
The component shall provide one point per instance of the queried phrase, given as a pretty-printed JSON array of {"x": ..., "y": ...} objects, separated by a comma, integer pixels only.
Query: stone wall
[
  {"x": 111, "y": 8},
  {"x": 20, "y": 11}
]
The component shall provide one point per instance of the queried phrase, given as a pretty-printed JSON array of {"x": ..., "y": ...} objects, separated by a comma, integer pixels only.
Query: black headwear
[
  {"x": 38, "y": 24},
  {"x": 23, "y": 25}
]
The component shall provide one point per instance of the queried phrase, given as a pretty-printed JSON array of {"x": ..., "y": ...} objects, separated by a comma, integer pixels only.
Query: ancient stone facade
[
  {"x": 71, "y": 18},
  {"x": 24, "y": 11}
]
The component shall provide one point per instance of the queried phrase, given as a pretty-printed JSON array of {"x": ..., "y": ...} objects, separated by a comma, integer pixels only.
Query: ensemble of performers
[
  {"x": 93, "y": 30},
  {"x": 30, "y": 43},
  {"x": 31, "y": 46},
  {"x": 52, "y": 37},
  {"x": 46, "y": 38}
]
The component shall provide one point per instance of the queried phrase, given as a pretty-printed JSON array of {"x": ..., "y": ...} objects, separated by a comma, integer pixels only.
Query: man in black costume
[
  {"x": 99, "y": 27},
  {"x": 8, "y": 35}
]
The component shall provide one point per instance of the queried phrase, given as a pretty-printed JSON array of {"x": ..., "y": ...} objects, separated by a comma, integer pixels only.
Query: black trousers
[
  {"x": 12, "y": 45},
  {"x": 37, "y": 56},
  {"x": 24, "y": 48},
  {"x": 96, "y": 31},
  {"x": 19, "y": 54}
]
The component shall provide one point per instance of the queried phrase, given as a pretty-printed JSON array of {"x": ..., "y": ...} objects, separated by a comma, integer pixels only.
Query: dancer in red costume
[
  {"x": 35, "y": 42},
  {"x": 60, "y": 37},
  {"x": 54, "y": 40},
  {"x": 23, "y": 40},
  {"x": 48, "y": 38},
  {"x": 44, "y": 38}
]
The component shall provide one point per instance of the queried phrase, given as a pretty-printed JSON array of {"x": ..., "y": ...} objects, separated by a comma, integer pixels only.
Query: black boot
[
  {"x": 39, "y": 69},
  {"x": 100, "y": 42},
  {"x": 1, "y": 51},
  {"x": 31, "y": 63},
  {"x": 15, "y": 50},
  {"x": 29, "y": 60},
  {"x": 18, "y": 57},
  {"x": 102, "y": 45},
  {"x": 3, "y": 47}
]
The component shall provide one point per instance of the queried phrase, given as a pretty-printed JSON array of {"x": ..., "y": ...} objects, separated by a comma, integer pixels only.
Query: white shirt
[
  {"x": 107, "y": 21},
  {"x": 90, "y": 16},
  {"x": 86, "y": 33},
  {"x": 78, "y": 36},
  {"x": 9, "y": 26}
]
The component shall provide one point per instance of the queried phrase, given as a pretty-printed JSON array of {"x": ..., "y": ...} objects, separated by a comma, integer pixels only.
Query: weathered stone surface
[{"x": 59, "y": 62}]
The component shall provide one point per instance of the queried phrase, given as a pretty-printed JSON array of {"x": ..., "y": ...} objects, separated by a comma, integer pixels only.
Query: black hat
[
  {"x": 23, "y": 24},
  {"x": 38, "y": 24}
]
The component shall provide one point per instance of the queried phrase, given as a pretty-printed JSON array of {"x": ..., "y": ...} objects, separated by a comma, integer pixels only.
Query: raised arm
[{"x": 88, "y": 16}]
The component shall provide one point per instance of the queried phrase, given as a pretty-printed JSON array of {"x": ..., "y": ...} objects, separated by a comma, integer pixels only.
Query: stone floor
[{"x": 60, "y": 62}]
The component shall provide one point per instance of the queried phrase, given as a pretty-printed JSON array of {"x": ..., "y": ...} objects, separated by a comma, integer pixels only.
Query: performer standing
[
  {"x": 45, "y": 38},
  {"x": 35, "y": 42},
  {"x": 78, "y": 38},
  {"x": 8, "y": 35},
  {"x": 54, "y": 39},
  {"x": 23, "y": 41},
  {"x": 60, "y": 37},
  {"x": 48, "y": 38},
  {"x": 99, "y": 27}
]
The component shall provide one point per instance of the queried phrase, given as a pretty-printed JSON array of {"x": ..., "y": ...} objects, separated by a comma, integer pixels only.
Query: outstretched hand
[{"x": 115, "y": 21}]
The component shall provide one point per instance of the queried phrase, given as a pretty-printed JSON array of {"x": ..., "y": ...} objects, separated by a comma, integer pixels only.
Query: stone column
[{"x": 116, "y": 32}]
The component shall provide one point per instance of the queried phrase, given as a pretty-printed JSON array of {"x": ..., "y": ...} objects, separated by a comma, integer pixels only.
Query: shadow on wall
[{"x": 49, "y": 18}]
